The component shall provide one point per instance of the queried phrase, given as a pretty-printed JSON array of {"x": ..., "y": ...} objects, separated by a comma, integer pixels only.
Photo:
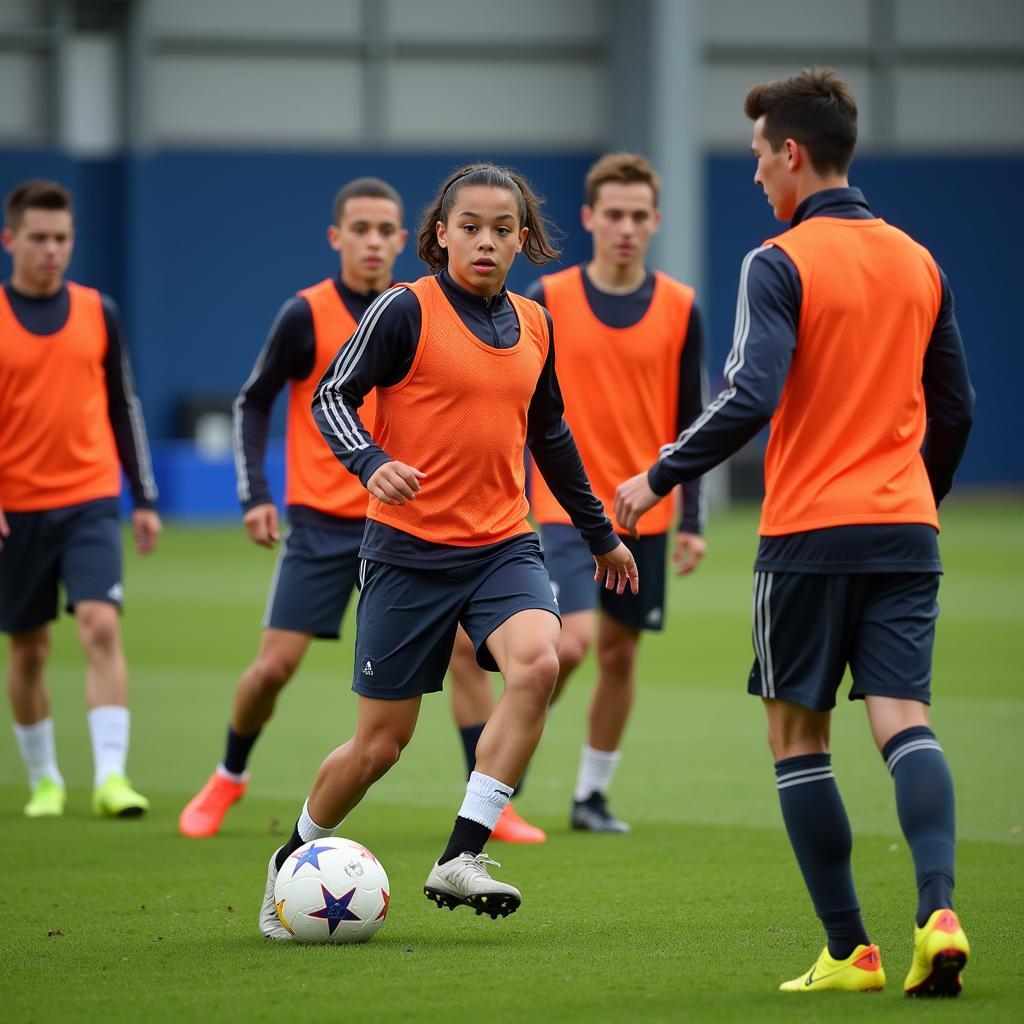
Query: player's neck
[
  {"x": 24, "y": 285},
  {"x": 615, "y": 278},
  {"x": 365, "y": 285},
  {"x": 816, "y": 183}
]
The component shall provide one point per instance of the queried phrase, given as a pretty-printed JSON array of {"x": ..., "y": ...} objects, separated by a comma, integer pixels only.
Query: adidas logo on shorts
[
  {"x": 368, "y": 669},
  {"x": 653, "y": 617},
  {"x": 116, "y": 593}
]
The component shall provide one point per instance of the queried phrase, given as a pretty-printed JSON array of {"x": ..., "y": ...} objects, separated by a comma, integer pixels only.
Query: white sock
[
  {"x": 38, "y": 751},
  {"x": 108, "y": 727},
  {"x": 233, "y": 776},
  {"x": 485, "y": 799},
  {"x": 596, "y": 770},
  {"x": 309, "y": 829}
]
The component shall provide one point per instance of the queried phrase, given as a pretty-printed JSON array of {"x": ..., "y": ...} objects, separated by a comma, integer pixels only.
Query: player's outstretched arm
[
  {"x": 634, "y": 497},
  {"x": 261, "y": 524},
  {"x": 617, "y": 568}
]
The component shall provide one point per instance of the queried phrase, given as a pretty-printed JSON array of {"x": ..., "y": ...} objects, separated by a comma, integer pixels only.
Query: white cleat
[
  {"x": 270, "y": 923},
  {"x": 464, "y": 881}
]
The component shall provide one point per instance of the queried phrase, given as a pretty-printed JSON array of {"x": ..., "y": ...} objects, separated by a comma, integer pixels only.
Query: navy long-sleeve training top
[{"x": 770, "y": 298}]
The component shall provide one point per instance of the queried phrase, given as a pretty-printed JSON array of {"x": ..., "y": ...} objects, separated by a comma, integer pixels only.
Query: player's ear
[
  {"x": 7, "y": 239},
  {"x": 655, "y": 221},
  {"x": 587, "y": 217},
  {"x": 403, "y": 237},
  {"x": 334, "y": 237},
  {"x": 794, "y": 156},
  {"x": 442, "y": 234},
  {"x": 523, "y": 232}
]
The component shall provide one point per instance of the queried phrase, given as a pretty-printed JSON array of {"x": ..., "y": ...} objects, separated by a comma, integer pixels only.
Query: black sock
[
  {"x": 927, "y": 812},
  {"x": 467, "y": 837},
  {"x": 819, "y": 832},
  {"x": 294, "y": 842},
  {"x": 469, "y": 734},
  {"x": 236, "y": 753}
]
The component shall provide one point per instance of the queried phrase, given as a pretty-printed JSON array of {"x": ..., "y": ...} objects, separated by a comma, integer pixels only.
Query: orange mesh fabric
[
  {"x": 56, "y": 444},
  {"x": 460, "y": 417},
  {"x": 846, "y": 438},
  {"x": 621, "y": 389},
  {"x": 314, "y": 475}
]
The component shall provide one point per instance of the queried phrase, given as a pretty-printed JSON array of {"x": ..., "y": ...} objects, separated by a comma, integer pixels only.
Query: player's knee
[
  {"x": 29, "y": 652},
  {"x": 97, "y": 627},
  {"x": 379, "y": 755},
  {"x": 535, "y": 675},
  {"x": 272, "y": 672}
]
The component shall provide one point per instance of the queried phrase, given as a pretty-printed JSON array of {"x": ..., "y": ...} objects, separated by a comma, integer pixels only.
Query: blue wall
[{"x": 201, "y": 248}]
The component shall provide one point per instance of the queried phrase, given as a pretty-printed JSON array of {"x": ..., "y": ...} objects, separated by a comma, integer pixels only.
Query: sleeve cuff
[
  {"x": 608, "y": 542},
  {"x": 372, "y": 464},
  {"x": 659, "y": 481}
]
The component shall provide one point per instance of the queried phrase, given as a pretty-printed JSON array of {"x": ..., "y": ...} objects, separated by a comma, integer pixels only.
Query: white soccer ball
[{"x": 332, "y": 890}]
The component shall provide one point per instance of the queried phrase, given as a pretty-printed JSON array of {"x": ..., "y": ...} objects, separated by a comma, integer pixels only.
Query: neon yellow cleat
[
  {"x": 941, "y": 951},
  {"x": 115, "y": 798},
  {"x": 861, "y": 971},
  {"x": 47, "y": 800}
]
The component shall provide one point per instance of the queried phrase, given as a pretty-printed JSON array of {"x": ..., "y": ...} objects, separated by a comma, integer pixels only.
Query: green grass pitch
[{"x": 697, "y": 915}]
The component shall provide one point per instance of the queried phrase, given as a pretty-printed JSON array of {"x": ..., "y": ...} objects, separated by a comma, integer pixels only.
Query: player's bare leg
[
  {"x": 280, "y": 653},
  {"x": 925, "y": 804},
  {"x": 106, "y": 696},
  {"x": 610, "y": 705},
  {"x": 472, "y": 704},
  {"x": 573, "y": 645},
  {"x": 33, "y": 726},
  {"x": 383, "y": 730},
  {"x": 525, "y": 648}
]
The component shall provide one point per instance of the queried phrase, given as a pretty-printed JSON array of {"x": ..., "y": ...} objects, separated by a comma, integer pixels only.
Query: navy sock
[
  {"x": 470, "y": 735},
  {"x": 819, "y": 832},
  {"x": 236, "y": 753},
  {"x": 927, "y": 812},
  {"x": 294, "y": 842},
  {"x": 468, "y": 836}
]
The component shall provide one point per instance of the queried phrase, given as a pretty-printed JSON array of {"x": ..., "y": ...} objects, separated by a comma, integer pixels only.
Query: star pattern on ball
[
  {"x": 384, "y": 910},
  {"x": 309, "y": 856},
  {"x": 335, "y": 909}
]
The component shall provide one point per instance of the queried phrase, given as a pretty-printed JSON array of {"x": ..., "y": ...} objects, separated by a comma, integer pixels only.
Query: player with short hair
[
  {"x": 465, "y": 379},
  {"x": 316, "y": 569},
  {"x": 847, "y": 343},
  {"x": 631, "y": 369},
  {"x": 69, "y": 422}
]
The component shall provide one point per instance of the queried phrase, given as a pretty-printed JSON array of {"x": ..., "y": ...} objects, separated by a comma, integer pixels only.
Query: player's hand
[
  {"x": 261, "y": 524},
  {"x": 5, "y": 530},
  {"x": 688, "y": 552},
  {"x": 617, "y": 568},
  {"x": 147, "y": 526},
  {"x": 633, "y": 497},
  {"x": 395, "y": 483}
]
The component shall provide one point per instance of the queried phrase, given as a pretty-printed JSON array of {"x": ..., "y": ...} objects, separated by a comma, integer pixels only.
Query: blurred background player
[
  {"x": 846, "y": 341},
  {"x": 316, "y": 569},
  {"x": 630, "y": 366},
  {"x": 69, "y": 420},
  {"x": 465, "y": 379}
]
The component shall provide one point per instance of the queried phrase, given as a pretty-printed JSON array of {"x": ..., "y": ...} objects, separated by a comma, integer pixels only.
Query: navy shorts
[
  {"x": 78, "y": 546},
  {"x": 406, "y": 618},
  {"x": 571, "y": 566},
  {"x": 315, "y": 574},
  {"x": 809, "y": 627}
]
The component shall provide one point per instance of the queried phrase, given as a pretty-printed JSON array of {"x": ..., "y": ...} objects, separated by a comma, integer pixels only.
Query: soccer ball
[{"x": 332, "y": 890}]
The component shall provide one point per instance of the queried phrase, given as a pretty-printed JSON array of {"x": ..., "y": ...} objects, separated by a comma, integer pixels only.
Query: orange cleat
[
  {"x": 511, "y": 828},
  {"x": 204, "y": 813}
]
